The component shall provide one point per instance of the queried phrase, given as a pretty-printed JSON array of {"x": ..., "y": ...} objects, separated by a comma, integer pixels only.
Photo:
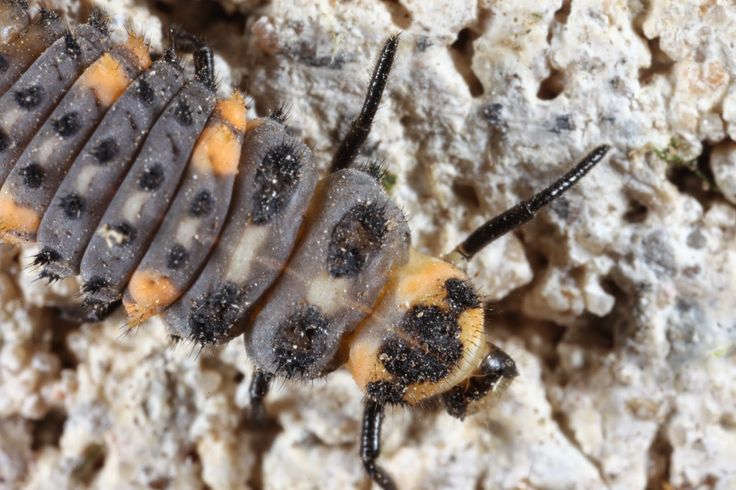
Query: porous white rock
[{"x": 617, "y": 302}]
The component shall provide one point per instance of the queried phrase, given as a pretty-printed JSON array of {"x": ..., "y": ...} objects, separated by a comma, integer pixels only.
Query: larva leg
[
  {"x": 360, "y": 128},
  {"x": 370, "y": 445},
  {"x": 88, "y": 312},
  {"x": 259, "y": 386}
]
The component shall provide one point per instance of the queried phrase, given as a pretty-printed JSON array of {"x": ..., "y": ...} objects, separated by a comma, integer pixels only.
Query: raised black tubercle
[
  {"x": 524, "y": 211},
  {"x": 361, "y": 126}
]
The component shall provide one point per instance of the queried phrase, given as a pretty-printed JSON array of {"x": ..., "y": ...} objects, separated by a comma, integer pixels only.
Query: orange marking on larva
[
  {"x": 18, "y": 224},
  {"x": 422, "y": 278},
  {"x": 148, "y": 292},
  {"x": 106, "y": 77},
  {"x": 232, "y": 110},
  {"x": 218, "y": 150},
  {"x": 136, "y": 45}
]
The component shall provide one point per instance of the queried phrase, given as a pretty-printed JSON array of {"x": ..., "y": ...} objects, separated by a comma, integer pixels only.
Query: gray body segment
[
  {"x": 41, "y": 167},
  {"x": 140, "y": 203},
  {"x": 355, "y": 238},
  {"x": 193, "y": 223},
  {"x": 13, "y": 18},
  {"x": 17, "y": 54},
  {"x": 262, "y": 226},
  {"x": 102, "y": 164},
  {"x": 27, "y": 104}
]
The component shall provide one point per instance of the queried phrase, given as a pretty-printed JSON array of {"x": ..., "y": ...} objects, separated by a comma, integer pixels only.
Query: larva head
[{"x": 425, "y": 340}]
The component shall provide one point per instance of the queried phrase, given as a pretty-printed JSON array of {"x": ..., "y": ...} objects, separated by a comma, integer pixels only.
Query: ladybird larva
[{"x": 167, "y": 199}]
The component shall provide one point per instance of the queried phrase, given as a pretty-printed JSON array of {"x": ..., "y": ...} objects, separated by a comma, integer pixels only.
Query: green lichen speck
[{"x": 679, "y": 153}]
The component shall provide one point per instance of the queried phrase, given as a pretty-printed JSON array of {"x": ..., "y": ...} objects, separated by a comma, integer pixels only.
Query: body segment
[{"x": 195, "y": 218}]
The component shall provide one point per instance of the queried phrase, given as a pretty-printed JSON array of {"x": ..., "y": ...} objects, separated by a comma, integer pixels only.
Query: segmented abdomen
[{"x": 157, "y": 193}]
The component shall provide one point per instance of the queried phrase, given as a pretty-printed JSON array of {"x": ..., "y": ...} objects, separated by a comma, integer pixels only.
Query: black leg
[
  {"x": 525, "y": 210},
  {"x": 204, "y": 60},
  {"x": 87, "y": 312},
  {"x": 370, "y": 445},
  {"x": 360, "y": 128},
  {"x": 259, "y": 386}
]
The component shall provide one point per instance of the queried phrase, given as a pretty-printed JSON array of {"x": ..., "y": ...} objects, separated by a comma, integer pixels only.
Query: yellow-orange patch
[
  {"x": 218, "y": 150},
  {"x": 148, "y": 292},
  {"x": 136, "y": 45},
  {"x": 17, "y": 223},
  {"x": 106, "y": 78},
  {"x": 232, "y": 110}
]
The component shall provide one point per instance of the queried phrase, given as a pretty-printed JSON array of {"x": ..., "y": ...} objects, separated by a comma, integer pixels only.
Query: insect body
[{"x": 163, "y": 197}]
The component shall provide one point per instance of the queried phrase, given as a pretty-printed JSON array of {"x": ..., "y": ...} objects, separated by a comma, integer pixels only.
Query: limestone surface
[{"x": 617, "y": 302}]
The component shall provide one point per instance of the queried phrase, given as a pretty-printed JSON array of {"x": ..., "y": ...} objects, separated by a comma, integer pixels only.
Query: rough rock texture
[{"x": 617, "y": 302}]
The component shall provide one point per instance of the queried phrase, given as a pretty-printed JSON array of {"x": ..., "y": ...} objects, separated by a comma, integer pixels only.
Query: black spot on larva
[
  {"x": 437, "y": 332},
  {"x": 302, "y": 339},
  {"x": 95, "y": 284},
  {"x": 389, "y": 392},
  {"x": 461, "y": 295},
  {"x": 3, "y": 63},
  {"x": 125, "y": 233},
  {"x": 46, "y": 256},
  {"x": 71, "y": 45},
  {"x": 145, "y": 92},
  {"x": 30, "y": 97},
  {"x": 73, "y": 205},
  {"x": 409, "y": 363},
  {"x": 67, "y": 125},
  {"x": 357, "y": 236},
  {"x": 202, "y": 204},
  {"x": 276, "y": 176},
  {"x": 178, "y": 256},
  {"x": 183, "y": 114},
  {"x": 106, "y": 150},
  {"x": 151, "y": 177},
  {"x": 214, "y": 315},
  {"x": 4, "y": 140},
  {"x": 32, "y": 175}
]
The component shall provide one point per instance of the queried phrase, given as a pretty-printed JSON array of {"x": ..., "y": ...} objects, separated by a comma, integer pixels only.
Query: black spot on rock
[
  {"x": 183, "y": 114},
  {"x": 461, "y": 295},
  {"x": 302, "y": 340},
  {"x": 67, "y": 125},
  {"x": 145, "y": 92},
  {"x": 106, "y": 150},
  {"x": 202, "y": 204},
  {"x": 357, "y": 236},
  {"x": 30, "y": 97},
  {"x": 3, "y": 64},
  {"x": 214, "y": 315},
  {"x": 388, "y": 392},
  {"x": 73, "y": 205},
  {"x": 276, "y": 177},
  {"x": 178, "y": 256},
  {"x": 32, "y": 175},
  {"x": 152, "y": 177}
]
